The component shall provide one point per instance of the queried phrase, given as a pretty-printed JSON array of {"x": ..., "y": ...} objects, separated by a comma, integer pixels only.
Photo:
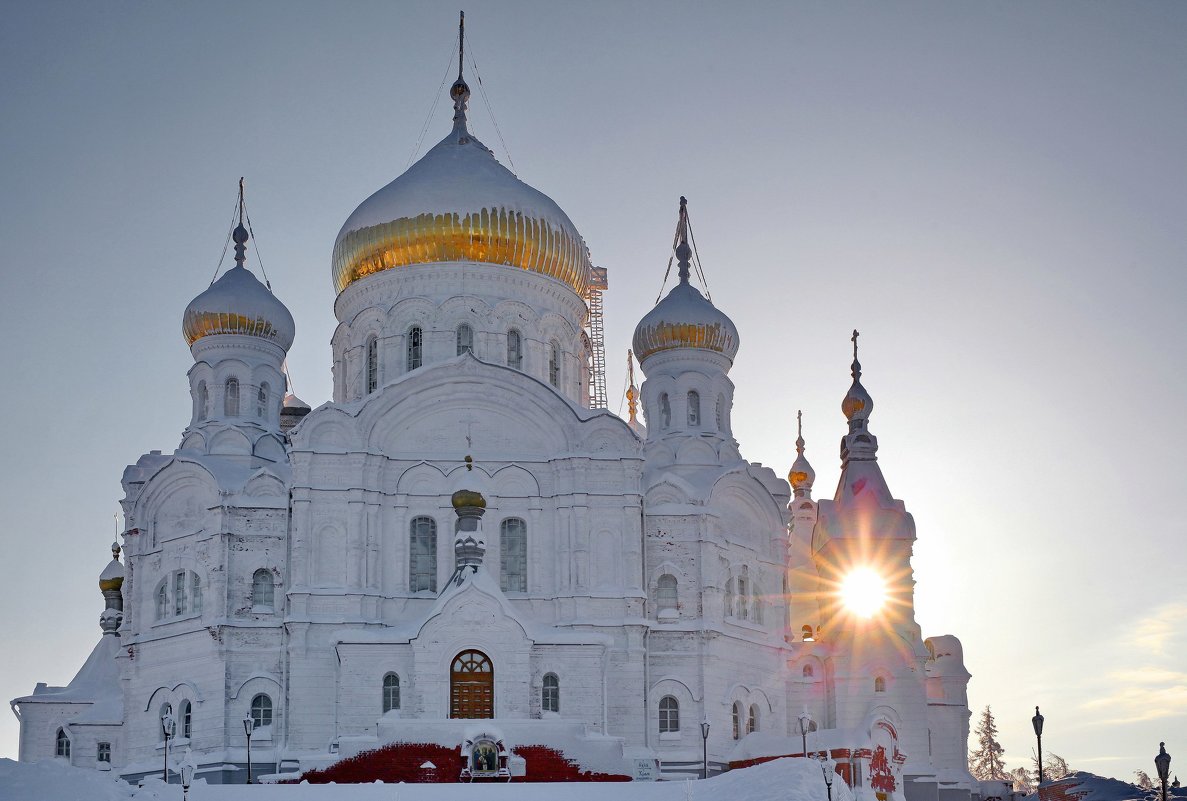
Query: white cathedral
[{"x": 463, "y": 545}]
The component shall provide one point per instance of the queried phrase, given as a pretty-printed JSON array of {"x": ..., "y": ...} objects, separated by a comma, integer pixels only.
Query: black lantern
[
  {"x": 1162, "y": 763},
  {"x": 705, "y": 746},
  {"x": 829, "y": 768},
  {"x": 248, "y": 726},
  {"x": 805, "y": 721},
  {"x": 1037, "y": 722}
]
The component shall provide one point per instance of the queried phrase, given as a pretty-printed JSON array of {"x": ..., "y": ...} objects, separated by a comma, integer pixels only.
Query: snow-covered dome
[
  {"x": 112, "y": 577},
  {"x": 238, "y": 303},
  {"x": 685, "y": 318},
  {"x": 458, "y": 203}
]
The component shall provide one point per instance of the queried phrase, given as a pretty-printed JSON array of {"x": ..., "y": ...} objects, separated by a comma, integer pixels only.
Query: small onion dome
[
  {"x": 463, "y": 498},
  {"x": 112, "y": 577},
  {"x": 802, "y": 476},
  {"x": 685, "y": 319},
  {"x": 857, "y": 404},
  {"x": 238, "y": 303},
  {"x": 459, "y": 204}
]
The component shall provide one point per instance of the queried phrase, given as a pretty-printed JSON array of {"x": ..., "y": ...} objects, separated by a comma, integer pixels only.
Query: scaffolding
[{"x": 597, "y": 339}]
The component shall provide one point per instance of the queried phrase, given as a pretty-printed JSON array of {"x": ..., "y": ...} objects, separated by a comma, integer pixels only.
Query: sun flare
[{"x": 863, "y": 592}]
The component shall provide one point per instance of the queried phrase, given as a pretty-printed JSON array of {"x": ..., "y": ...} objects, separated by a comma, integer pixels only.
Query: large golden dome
[{"x": 458, "y": 203}]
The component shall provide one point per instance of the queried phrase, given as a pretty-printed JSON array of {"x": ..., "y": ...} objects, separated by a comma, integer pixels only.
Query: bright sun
[{"x": 863, "y": 591}]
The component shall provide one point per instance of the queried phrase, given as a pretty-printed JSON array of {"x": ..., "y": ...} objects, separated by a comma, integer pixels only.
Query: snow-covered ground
[{"x": 781, "y": 780}]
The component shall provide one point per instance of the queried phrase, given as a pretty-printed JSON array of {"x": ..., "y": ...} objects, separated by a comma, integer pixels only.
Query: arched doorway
[{"x": 472, "y": 686}]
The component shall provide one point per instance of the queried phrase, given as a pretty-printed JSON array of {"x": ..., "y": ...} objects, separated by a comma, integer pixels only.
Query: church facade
[{"x": 458, "y": 546}]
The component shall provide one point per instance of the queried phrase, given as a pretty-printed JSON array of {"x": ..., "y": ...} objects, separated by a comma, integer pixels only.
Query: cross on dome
[{"x": 460, "y": 91}]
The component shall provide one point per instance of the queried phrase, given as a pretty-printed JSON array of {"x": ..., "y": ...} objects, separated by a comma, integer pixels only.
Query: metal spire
[
  {"x": 855, "y": 368},
  {"x": 632, "y": 394},
  {"x": 240, "y": 233},
  {"x": 799, "y": 432},
  {"x": 683, "y": 251},
  {"x": 460, "y": 91}
]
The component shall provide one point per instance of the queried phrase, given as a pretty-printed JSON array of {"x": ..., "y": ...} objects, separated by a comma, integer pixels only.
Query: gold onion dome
[
  {"x": 459, "y": 204},
  {"x": 802, "y": 476},
  {"x": 112, "y": 577},
  {"x": 685, "y": 318},
  {"x": 238, "y": 303},
  {"x": 857, "y": 404}
]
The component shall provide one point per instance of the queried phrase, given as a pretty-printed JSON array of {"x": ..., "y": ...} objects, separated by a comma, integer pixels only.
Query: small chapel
[{"x": 464, "y": 547}]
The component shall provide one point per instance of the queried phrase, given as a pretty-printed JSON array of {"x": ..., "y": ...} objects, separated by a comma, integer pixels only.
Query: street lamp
[
  {"x": 829, "y": 768},
  {"x": 248, "y": 725},
  {"x": 805, "y": 724},
  {"x": 1163, "y": 763},
  {"x": 167, "y": 730},
  {"x": 187, "y": 778},
  {"x": 1037, "y": 722},
  {"x": 705, "y": 746}
]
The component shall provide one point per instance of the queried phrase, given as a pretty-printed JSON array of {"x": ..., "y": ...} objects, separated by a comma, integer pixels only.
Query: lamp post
[
  {"x": 247, "y": 728},
  {"x": 1037, "y": 722},
  {"x": 805, "y": 723},
  {"x": 1163, "y": 763},
  {"x": 167, "y": 730},
  {"x": 829, "y": 768},
  {"x": 705, "y": 746},
  {"x": 187, "y": 778}
]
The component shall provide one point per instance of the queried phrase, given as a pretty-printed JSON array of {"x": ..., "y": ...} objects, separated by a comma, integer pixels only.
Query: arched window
[
  {"x": 757, "y": 604},
  {"x": 372, "y": 364},
  {"x": 743, "y": 596},
  {"x": 554, "y": 363},
  {"x": 807, "y": 635},
  {"x": 879, "y": 684},
  {"x": 665, "y": 594},
  {"x": 665, "y": 411},
  {"x": 162, "y": 600},
  {"x": 465, "y": 339},
  {"x": 263, "y": 589},
  {"x": 513, "y": 555},
  {"x": 752, "y": 721},
  {"x": 422, "y": 551},
  {"x": 809, "y": 671},
  {"x": 514, "y": 349},
  {"x": 415, "y": 347},
  {"x": 62, "y": 744},
  {"x": 195, "y": 594},
  {"x": 720, "y": 413},
  {"x": 231, "y": 398},
  {"x": 391, "y": 692},
  {"x": 179, "y": 593},
  {"x": 261, "y": 711},
  {"x": 203, "y": 400},
  {"x": 729, "y": 598},
  {"x": 694, "y": 409},
  {"x": 550, "y": 695},
  {"x": 262, "y": 401},
  {"x": 669, "y": 715},
  {"x": 736, "y": 718},
  {"x": 185, "y": 719}
]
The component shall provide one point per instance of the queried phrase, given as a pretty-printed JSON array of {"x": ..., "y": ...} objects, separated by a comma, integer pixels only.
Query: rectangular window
[
  {"x": 513, "y": 555},
  {"x": 104, "y": 752},
  {"x": 179, "y": 593},
  {"x": 422, "y": 555}
]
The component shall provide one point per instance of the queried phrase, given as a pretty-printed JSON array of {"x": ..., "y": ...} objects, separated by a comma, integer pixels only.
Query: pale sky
[{"x": 993, "y": 193}]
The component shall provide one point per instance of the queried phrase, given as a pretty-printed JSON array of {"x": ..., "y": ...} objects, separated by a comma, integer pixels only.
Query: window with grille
[
  {"x": 550, "y": 697},
  {"x": 514, "y": 349},
  {"x": 879, "y": 685},
  {"x": 186, "y": 718},
  {"x": 415, "y": 347},
  {"x": 669, "y": 715},
  {"x": 62, "y": 744},
  {"x": 195, "y": 594},
  {"x": 391, "y": 692},
  {"x": 665, "y": 593},
  {"x": 465, "y": 339},
  {"x": 262, "y": 401},
  {"x": 103, "y": 752},
  {"x": 203, "y": 400},
  {"x": 736, "y": 718},
  {"x": 694, "y": 408},
  {"x": 752, "y": 721},
  {"x": 665, "y": 411},
  {"x": 231, "y": 398},
  {"x": 513, "y": 555},
  {"x": 263, "y": 589},
  {"x": 422, "y": 553},
  {"x": 372, "y": 364},
  {"x": 261, "y": 711},
  {"x": 179, "y": 593}
]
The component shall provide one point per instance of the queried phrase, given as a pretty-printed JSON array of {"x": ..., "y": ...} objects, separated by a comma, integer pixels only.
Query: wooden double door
[{"x": 472, "y": 686}]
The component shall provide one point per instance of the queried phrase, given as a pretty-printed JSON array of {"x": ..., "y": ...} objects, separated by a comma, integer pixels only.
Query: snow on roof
[{"x": 97, "y": 682}]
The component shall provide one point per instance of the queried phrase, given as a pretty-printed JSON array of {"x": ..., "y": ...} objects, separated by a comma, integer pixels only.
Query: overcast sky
[{"x": 994, "y": 194}]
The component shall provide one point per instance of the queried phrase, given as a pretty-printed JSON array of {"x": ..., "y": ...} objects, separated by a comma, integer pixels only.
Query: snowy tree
[
  {"x": 1023, "y": 781},
  {"x": 1054, "y": 766},
  {"x": 1143, "y": 780},
  {"x": 986, "y": 762}
]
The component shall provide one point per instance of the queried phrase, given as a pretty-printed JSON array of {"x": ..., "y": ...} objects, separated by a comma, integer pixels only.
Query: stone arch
[{"x": 230, "y": 441}]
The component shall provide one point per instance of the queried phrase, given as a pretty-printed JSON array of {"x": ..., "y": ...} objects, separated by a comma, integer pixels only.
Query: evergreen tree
[{"x": 986, "y": 762}]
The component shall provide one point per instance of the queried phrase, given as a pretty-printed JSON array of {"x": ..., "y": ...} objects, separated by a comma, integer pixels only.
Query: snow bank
[
  {"x": 53, "y": 780},
  {"x": 780, "y": 780}
]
